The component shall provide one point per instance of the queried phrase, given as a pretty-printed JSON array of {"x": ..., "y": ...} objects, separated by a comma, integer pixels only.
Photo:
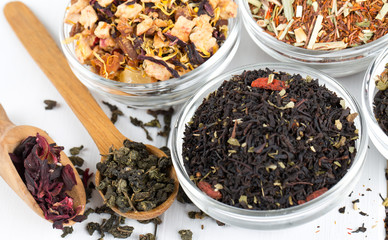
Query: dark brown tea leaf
[
  {"x": 50, "y": 104},
  {"x": 260, "y": 144}
]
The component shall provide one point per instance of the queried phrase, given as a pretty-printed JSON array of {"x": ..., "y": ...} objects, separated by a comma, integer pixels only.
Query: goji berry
[
  {"x": 207, "y": 188},
  {"x": 275, "y": 85},
  {"x": 316, "y": 194}
]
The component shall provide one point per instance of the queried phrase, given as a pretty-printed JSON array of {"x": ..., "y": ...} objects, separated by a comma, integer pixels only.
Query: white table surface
[{"x": 23, "y": 87}]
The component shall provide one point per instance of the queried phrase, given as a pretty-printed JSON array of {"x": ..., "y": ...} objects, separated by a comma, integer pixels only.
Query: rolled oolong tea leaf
[
  {"x": 76, "y": 150},
  {"x": 50, "y": 104},
  {"x": 77, "y": 161},
  {"x": 156, "y": 221},
  {"x": 269, "y": 140},
  {"x": 67, "y": 231},
  {"x": 47, "y": 181},
  {"x": 134, "y": 180},
  {"x": 197, "y": 215},
  {"x": 186, "y": 234},
  {"x": 148, "y": 236}
]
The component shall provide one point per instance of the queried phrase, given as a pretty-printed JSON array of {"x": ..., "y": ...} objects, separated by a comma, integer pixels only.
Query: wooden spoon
[
  {"x": 47, "y": 55},
  {"x": 10, "y": 137}
]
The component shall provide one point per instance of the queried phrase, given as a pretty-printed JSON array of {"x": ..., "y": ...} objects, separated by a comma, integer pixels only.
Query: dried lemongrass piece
[
  {"x": 299, "y": 11},
  {"x": 316, "y": 29},
  {"x": 288, "y": 9},
  {"x": 383, "y": 12},
  {"x": 281, "y": 37},
  {"x": 329, "y": 46},
  {"x": 300, "y": 35},
  {"x": 256, "y": 3}
]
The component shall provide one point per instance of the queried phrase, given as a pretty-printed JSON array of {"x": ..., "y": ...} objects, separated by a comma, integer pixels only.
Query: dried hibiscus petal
[{"x": 47, "y": 182}]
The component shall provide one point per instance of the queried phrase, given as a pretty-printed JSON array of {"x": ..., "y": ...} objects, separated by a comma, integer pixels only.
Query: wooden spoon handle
[
  {"x": 49, "y": 57},
  {"x": 5, "y": 123}
]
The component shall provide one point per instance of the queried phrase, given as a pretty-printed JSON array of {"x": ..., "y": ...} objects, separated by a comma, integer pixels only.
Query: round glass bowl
[
  {"x": 369, "y": 90},
  {"x": 158, "y": 94},
  {"x": 335, "y": 63},
  {"x": 269, "y": 219}
]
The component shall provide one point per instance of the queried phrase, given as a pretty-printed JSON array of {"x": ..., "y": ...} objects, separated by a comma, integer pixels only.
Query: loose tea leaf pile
[
  {"x": 322, "y": 25},
  {"x": 134, "y": 180},
  {"x": 269, "y": 148},
  {"x": 380, "y": 100},
  {"x": 47, "y": 182}
]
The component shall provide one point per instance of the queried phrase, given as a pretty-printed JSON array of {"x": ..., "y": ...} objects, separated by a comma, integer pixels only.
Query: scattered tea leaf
[
  {"x": 67, "y": 231},
  {"x": 139, "y": 123},
  {"x": 156, "y": 221},
  {"x": 153, "y": 123},
  {"x": 186, "y": 234},
  {"x": 148, "y": 236},
  {"x": 76, "y": 150},
  {"x": 360, "y": 229},
  {"x": 197, "y": 215},
  {"x": 77, "y": 161},
  {"x": 341, "y": 210},
  {"x": 50, "y": 104},
  {"x": 115, "y": 111}
]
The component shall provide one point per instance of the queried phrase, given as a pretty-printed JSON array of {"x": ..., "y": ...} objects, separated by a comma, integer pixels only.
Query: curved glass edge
[
  {"x": 307, "y": 54},
  {"x": 234, "y": 34},
  {"x": 282, "y": 215},
  {"x": 368, "y": 91}
]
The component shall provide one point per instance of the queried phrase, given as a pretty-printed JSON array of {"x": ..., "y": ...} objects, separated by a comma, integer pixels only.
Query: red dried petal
[{"x": 68, "y": 177}]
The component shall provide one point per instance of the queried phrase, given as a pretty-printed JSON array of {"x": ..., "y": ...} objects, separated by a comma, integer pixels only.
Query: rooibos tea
[{"x": 269, "y": 140}]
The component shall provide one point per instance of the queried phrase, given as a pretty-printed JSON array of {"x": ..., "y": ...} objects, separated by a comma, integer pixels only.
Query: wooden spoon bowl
[
  {"x": 10, "y": 137},
  {"x": 50, "y": 59}
]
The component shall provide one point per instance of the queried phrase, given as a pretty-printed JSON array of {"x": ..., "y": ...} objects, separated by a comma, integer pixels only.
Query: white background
[{"x": 23, "y": 87}]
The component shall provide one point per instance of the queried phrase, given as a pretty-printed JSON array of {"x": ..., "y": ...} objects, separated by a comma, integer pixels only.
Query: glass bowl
[
  {"x": 158, "y": 94},
  {"x": 338, "y": 63},
  {"x": 269, "y": 219},
  {"x": 369, "y": 90}
]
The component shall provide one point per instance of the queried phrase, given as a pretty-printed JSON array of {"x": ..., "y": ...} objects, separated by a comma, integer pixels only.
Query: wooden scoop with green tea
[
  {"x": 47, "y": 55},
  {"x": 10, "y": 137}
]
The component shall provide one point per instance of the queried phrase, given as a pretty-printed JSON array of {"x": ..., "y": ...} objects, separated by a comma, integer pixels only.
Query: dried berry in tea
[
  {"x": 322, "y": 25},
  {"x": 133, "y": 179},
  {"x": 39, "y": 165},
  {"x": 269, "y": 144}
]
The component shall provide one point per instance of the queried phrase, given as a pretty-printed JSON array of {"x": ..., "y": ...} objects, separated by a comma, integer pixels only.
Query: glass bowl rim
[
  {"x": 234, "y": 27},
  {"x": 309, "y": 53},
  {"x": 294, "y": 211},
  {"x": 368, "y": 80}
]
